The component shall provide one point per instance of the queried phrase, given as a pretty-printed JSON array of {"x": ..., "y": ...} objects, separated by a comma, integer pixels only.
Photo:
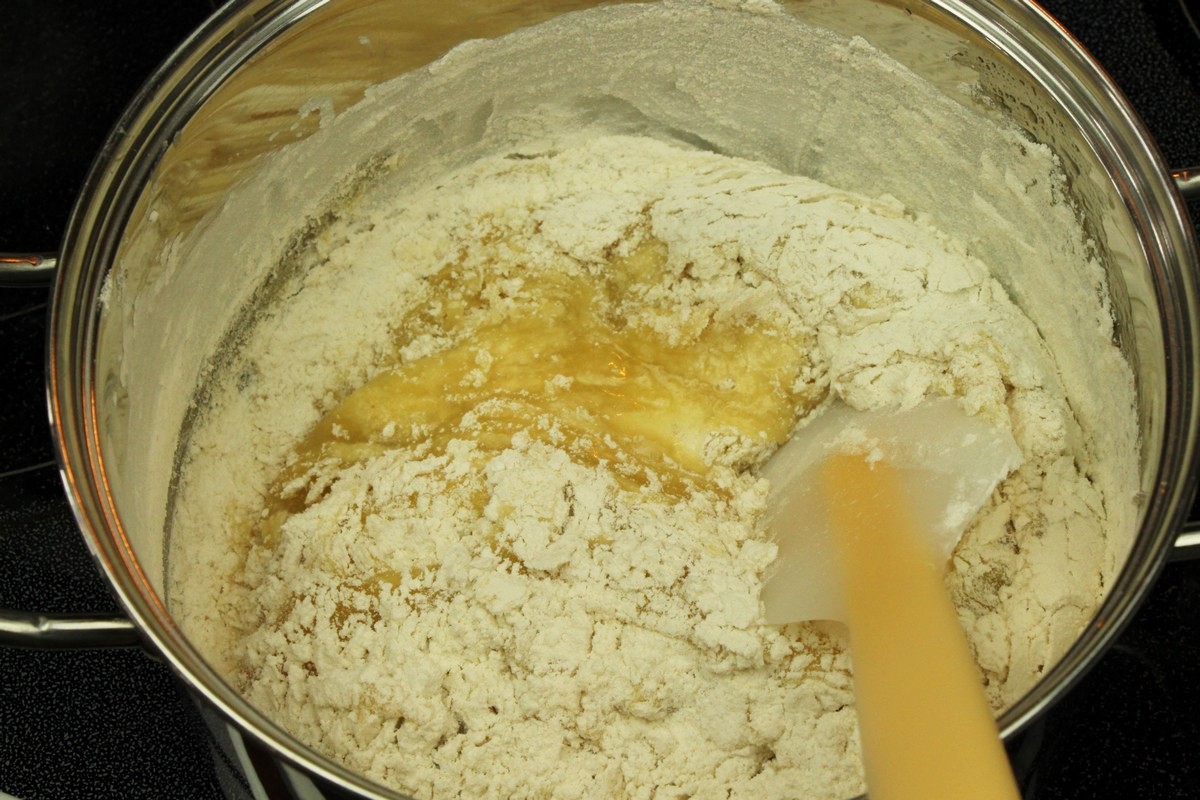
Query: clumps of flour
[
  {"x": 518, "y": 624},
  {"x": 567, "y": 638}
]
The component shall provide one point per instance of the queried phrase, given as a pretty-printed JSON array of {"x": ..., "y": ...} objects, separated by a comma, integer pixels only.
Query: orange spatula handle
[{"x": 927, "y": 731}]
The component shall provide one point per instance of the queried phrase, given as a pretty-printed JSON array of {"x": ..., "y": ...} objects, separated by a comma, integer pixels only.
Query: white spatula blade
[{"x": 950, "y": 463}]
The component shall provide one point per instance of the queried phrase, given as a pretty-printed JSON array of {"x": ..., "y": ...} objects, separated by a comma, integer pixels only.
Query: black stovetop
[{"x": 115, "y": 724}]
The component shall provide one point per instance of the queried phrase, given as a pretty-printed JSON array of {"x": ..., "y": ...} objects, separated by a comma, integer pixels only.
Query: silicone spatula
[{"x": 888, "y": 494}]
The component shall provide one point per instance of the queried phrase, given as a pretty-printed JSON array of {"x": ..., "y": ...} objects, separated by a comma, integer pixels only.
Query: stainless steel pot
[{"x": 234, "y": 91}]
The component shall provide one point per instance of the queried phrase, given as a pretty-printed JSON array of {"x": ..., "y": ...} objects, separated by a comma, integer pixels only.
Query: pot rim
[{"x": 1021, "y": 31}]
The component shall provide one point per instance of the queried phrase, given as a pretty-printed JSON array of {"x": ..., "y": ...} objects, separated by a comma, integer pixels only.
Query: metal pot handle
[
  {"x": 65, "y": 631},
  {"x": 27, "y": 269},
  {"x": 60, "y": 631},
  {"x": 1187, "y": 543},
  {"x": 1187, "y": 180}
]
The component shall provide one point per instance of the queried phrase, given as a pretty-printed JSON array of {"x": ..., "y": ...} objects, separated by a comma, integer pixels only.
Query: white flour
[{"x": 457, "y": 618}]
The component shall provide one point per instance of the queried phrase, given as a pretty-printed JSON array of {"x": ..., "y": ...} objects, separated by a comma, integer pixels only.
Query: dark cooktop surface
[{"x": 116, "y": 724}]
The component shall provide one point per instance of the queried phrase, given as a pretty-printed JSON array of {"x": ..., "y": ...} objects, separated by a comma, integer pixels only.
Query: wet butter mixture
[{"x": 554, "y": 355}]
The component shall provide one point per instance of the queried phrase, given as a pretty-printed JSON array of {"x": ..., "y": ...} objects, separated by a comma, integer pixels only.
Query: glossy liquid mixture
[{"x": 553, "y": 354}]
